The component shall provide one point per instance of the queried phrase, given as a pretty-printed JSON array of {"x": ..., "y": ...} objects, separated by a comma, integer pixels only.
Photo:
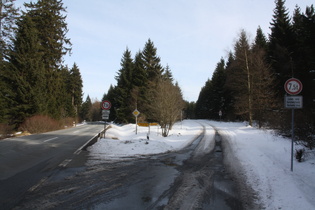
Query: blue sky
[{"x": 190, "y": 36}]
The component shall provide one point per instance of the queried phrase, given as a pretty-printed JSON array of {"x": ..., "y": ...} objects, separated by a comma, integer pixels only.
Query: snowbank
[
  {"x": 266, "y": 160},
  {"x": 122, "y": 141}
]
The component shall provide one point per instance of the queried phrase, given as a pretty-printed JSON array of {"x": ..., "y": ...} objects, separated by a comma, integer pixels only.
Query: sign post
[
  {"x": 136, "y": 113},
  {"x": 106, "y": 105},
  {"x": 293, "y": 87}
]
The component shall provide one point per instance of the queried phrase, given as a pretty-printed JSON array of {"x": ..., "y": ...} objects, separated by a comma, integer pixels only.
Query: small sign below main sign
[
  {"x": 105, "y": 114},
  {"x": 293, "y": 102}
]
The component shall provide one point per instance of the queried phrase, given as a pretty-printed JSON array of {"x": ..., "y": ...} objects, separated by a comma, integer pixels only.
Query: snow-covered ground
[{"x": 264, "y": 159}]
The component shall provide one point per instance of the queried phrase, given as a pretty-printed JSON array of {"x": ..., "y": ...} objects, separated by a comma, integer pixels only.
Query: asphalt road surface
[
  {"x": 28, "y": 161},
  {"x": 193, "y": 178}
]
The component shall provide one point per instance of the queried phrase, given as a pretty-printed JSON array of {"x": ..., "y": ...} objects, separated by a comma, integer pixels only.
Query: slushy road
[{"x": 27, "y": 161}]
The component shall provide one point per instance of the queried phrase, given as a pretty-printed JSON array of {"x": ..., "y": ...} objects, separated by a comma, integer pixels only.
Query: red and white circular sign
[
  {"x": 293, "y": 86},
  {"x": 106, "y": 105}
]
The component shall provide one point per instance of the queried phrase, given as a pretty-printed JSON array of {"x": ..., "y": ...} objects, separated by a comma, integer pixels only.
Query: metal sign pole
[
  {"x": 292, "y": 142},
  {"x": 105, "y": 128},
  {"x": 293, "y": 87}
]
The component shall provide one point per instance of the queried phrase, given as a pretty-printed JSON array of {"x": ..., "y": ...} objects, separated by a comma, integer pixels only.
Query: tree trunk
[{"x": 249, "y": 90}]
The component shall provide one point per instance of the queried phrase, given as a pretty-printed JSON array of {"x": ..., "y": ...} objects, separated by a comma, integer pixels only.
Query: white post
[{"x": 136, "y": 124}]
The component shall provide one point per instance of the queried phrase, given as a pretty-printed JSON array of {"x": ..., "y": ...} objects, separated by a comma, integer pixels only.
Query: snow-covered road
[{"x": 259, "y": 156}]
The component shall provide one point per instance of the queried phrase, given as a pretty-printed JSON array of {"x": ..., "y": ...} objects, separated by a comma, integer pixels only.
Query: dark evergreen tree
[
  {"x": 190, "y": 110},
  {"x": 124, "y": 87},
  {"x": 111, "y": 96},
  {"x": 229, "y": 92},
  {"x": 140, "y": 85},
  {"x": 261, "y": 40},
  {"x": 139, "y": 75},
  {"x": 49, "y": 21},
  {"x": 65, "y": 99},
  {"x": 168, "y": 74},
  {"x": 241, "y": 78},
  {"x": 25, "y": 74},
  {"x": 154, "y": 71},
  {"x": 264, "y": 96},
  {"x": 75, "y": 88},
  {"x": 85, "y": 109},
  {"x": 218, "y": 83},
  {"x": 151, "y": 61},
  {"x": 8, "y": 17},
  {"x": 304, "y": 31},
  {"x": 281, "y": 45},
  {"x": 204, "y": 101}
]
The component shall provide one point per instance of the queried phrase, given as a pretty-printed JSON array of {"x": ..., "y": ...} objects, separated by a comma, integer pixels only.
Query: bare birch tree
[{"x": 167, "y": 105}]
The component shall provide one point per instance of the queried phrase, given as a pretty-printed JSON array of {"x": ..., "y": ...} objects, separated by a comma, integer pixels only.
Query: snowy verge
[
  {"x": 122, "y": 141},
  {"x": 265, "y": 160}
]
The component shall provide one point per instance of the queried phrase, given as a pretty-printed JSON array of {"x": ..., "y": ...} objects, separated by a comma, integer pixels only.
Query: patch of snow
[{"x": 264, "y": 157}]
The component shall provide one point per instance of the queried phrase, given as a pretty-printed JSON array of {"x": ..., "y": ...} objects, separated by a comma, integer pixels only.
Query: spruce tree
[
  {"x": 261, "y": 40},
  {"x": 111, "y": 96},
  {"x": 124, "y": 87},
  {"x": 65, "y": 99},
  {"x": 85, "y": 109},
  {"x": 140, "y": 85},
  {"x": 154, "y": 71},
  {"x": 168, "y": 74},
  {"x": 76, "y": 88},
  {"x": 304, "y": 30},
  {"x": 218, "y": 82},
  {"x": 8, "y": 17},
  {"x": 204, "y": 101},
  {"x": 151, "y": 61},
  {"x": 281, "y": 41},
  {"x": 49, "y": 19},
  {"x": 25, "y": 76},
  {"x": 229, "y": 92}
]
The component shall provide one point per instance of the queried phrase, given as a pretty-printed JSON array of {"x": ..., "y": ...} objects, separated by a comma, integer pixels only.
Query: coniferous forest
[
  {"x": 247, "y": 85},
  {"x": 33, "y": 80}
]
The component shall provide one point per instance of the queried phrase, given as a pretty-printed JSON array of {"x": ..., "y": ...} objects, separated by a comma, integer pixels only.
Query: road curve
[{"x": 27, "y": 161}]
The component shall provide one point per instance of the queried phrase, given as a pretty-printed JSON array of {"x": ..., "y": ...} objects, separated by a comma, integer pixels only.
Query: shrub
[
  {"x": 5, "y": 130},
  {"x": 67, "y": 122},
  {"x": 299, "y": 154},
  {"x": 40, "y": 124}
]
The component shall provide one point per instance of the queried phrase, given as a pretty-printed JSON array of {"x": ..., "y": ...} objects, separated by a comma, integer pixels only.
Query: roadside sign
[
  {"x": 106, "y": 105},
  {"x": 293, "y": 86},
  {"x": 105, "y": 117},
  {"x": 105, "y": 114},
  {"x": 293, "y": 102},
  {"x": 136, "y": 113}
]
